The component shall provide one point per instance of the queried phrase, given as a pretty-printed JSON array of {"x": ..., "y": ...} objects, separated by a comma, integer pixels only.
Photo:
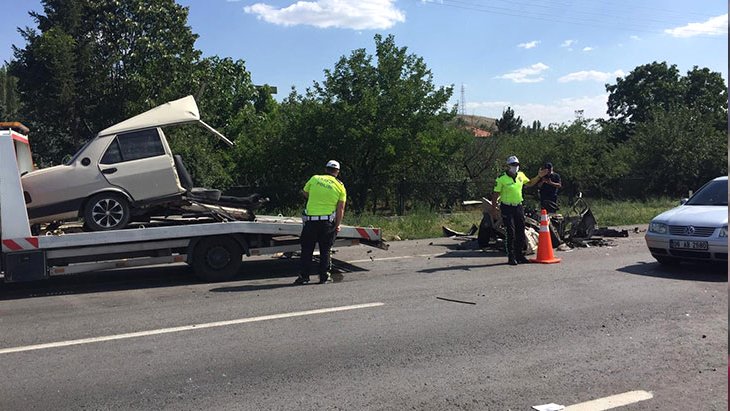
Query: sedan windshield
[{"x": 712, "y": 193}]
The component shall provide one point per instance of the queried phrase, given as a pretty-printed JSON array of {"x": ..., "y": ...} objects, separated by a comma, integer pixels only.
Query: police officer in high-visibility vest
[
  {"x": 508, "y": 190},
  {"x": 326, "y": 197}
]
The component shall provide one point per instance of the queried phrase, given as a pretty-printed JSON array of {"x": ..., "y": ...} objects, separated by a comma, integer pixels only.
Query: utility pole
[{"x": 462, "y": 104}]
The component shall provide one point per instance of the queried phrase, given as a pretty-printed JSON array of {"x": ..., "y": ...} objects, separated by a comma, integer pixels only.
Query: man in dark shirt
[{"x": 548, "y": 189}]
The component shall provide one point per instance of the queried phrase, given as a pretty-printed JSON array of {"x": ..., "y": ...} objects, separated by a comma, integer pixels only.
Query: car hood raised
[
  {"x": 703, "y": 216},
  {"x": 180, "y": 111}
]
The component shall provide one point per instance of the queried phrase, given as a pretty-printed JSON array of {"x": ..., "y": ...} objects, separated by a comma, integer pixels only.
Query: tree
[
  {"x": 536, "y": 126},
  {"x": 92, "y": 63},
  {"x": 658, "y": 86},
  {"x": 383, "y": 119},
  {"x": 676, "y": 151},
  {"x": 706, "y": 92},
  {"x": 509, "y": 124},
  {"x": 9, "y": 101}
]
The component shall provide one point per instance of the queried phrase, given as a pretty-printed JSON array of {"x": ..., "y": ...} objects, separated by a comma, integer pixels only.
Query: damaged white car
[{"x": 126, "y": 172}]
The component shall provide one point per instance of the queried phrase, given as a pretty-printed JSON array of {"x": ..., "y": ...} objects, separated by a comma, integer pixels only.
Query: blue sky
[{"x": 544, "y": 58}]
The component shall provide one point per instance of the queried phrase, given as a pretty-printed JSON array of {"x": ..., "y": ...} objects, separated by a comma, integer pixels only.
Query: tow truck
[{"x": 215, "y": 249}]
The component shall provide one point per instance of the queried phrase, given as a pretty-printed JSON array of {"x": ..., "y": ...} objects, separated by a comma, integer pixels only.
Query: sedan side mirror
[{"x": 683, "y": 201}]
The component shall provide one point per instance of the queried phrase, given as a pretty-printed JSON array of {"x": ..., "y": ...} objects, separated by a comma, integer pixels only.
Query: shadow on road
[
  {"x": 685, "y": 271},
  {"x": 156, "y": 277},
  {"x": 461, "y": 253},
  {"x": 104, "y": 281},
  {"x": 461, "y": 267}
]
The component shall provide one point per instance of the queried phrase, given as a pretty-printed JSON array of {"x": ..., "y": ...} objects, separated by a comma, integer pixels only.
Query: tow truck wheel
[
  {"x": 106, "y": 211},
  {"x": 217, "y": 258}
]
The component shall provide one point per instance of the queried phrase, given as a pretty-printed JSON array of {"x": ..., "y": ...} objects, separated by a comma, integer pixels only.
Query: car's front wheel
[{"x": 106, "y": 212}]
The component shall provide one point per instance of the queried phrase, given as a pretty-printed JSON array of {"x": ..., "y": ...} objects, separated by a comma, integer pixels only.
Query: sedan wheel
[{"x": 106, "y": 211}]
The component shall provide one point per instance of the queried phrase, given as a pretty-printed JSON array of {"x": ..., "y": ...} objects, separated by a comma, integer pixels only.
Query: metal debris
[{"x": 456, "y": 301}]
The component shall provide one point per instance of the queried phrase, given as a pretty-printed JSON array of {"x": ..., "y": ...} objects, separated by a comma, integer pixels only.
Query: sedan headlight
[
  {"x": 723, "y": 232},
  {"x": 659, "y": 228}
]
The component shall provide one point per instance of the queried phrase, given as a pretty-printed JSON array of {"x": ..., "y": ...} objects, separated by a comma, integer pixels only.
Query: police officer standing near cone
[
  {"x": 326, "y": 196},
  {"x": 508, "y": 191}
]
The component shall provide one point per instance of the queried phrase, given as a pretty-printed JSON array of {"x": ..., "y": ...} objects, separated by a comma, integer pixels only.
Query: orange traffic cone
[{"x": 544, "y": 243}]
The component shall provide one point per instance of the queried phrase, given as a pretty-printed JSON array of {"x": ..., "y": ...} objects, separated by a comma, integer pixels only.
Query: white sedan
[{"x": 694, "y": 231}]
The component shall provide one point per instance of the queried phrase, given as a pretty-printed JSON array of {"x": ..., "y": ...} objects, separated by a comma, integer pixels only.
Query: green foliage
[
  {"x": 580, "y": 152},
  {"x": 419, "y": 223},
  {"x": 478, "y": 157},
  {"x": 676, "y": 150},
  {"x": 509, "y": 124},
  {"x": 227, "y": 99},
  {"x": 93, "y": 63},
  {"x": 658, "y": 86},
  {"x": 383, "y": 119},
  {"x": 9, "y": 99},
  {"x": 424, "y": 223},
  {"x": 611, "y": 213}
]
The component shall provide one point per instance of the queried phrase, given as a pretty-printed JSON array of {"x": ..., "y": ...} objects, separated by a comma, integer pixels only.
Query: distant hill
[
  {"x": 485, "y": 123},
  {"x": 478, "y": 125}
]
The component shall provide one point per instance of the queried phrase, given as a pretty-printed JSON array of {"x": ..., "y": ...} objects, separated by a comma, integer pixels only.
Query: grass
[
  {"x": 614, "y": 213},
  {"x": 423, "y": 223},
  {"x": 420, "y": 223}
]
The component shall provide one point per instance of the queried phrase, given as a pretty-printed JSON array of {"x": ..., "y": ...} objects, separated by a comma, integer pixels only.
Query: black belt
[{"x": 318, "y": 217}]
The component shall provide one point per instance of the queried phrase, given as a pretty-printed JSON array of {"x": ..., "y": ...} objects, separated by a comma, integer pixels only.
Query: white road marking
[
  {"x": 394, "y": 258},
  {"x": 185, "y": 328},
  {"x": 614, "y": 401}
]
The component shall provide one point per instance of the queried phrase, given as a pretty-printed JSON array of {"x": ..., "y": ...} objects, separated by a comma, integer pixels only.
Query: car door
[{"x": 138, "y": 163}]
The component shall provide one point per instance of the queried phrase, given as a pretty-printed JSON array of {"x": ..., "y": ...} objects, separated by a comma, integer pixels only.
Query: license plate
[{"x": 690, "y": 245}]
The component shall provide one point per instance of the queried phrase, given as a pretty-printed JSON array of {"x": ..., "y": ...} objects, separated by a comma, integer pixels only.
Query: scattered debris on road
[{"x": 456, "y": 301}]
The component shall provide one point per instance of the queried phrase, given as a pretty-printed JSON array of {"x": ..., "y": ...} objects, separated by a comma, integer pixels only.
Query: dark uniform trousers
[
  {"x": 322, "y": 232},
  {"x": 513, "y": 218}
]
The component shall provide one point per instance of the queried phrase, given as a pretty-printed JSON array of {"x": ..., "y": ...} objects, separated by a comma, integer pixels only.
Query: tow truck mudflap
[{"x": 25, "y": 266}]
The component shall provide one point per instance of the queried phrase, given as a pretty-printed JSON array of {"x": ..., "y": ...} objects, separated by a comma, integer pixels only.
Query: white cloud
[
  {"x": 715, "y": 26},
  {"x": 527, "y": 74},
  {"x": 568, "y": 43},
  {"x": 587, "y": 48},
  {"x": 635, "y": 37},
  {"x": 347, "y": 14},
  {"x": 591, "y": 75},
  {"x": 488, "y": 106},
  {"x": 559, "y": 111},
  {"x": 530, "y": 45}
]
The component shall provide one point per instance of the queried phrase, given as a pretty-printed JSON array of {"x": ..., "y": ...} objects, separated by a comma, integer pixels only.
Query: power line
[
  {"x": 575, "y": 8},
  {"x": 619, "y": 24},
  {"x": 612, "y": 6}
]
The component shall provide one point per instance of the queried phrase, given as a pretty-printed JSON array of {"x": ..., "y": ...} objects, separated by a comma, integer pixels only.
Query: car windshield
[{"x": 713, "y": 193}]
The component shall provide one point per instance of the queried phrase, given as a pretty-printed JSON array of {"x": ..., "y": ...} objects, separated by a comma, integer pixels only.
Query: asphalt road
[{"x": 446, "y": 327}]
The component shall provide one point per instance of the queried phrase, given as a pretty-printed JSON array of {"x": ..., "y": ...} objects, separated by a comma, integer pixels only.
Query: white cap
[
  {"x": 333, "y": 164},
  {"x": 513, "y": 160}
]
